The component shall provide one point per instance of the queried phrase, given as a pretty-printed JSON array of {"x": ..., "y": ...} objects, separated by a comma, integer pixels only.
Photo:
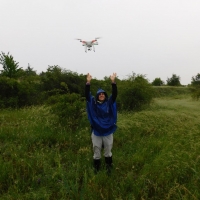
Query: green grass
[
  {"x": 155, "y": 155},
  {"x": 170, "y": 91}
]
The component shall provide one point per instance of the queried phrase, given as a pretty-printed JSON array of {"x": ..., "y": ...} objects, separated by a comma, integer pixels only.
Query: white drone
[{"x": 89, "y": 44}]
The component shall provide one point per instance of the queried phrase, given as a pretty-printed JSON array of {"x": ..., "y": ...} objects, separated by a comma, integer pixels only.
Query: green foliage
[
  {"x": 157, "y": 82},
  {"x": 52, "y": 78},
  {"x": 195, "y": 87},
  {"x": 170, "y": 91},
  {"x": 174, "y": 80},
  {"x": 195, "y": 80},
  {"x": 55, "y": 75},
  {"x": 29, "y": 71},
  {"x": 29, "y": 93},
  {"x": 8, "y": 92},
  {"x": 26, "y": 88},
  {"x": 15, "y": 93},
  {"x": 134, "y": 93},
  {"x": 10, "y": 66},
  {"x": 155, "y": 155},
  {"x": 68, "y": 109}
]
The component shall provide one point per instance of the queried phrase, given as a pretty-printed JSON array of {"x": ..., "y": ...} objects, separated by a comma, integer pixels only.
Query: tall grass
[
  {"x": 170, "y": 91},
  {"x": 155, "y": 155}
]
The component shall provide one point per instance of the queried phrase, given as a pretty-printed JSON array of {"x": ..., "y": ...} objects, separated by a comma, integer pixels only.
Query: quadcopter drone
[{"x": 89, "y": 44}]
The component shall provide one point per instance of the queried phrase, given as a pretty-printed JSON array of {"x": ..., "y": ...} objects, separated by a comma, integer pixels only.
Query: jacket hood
[{"x": 100, "y": 91}]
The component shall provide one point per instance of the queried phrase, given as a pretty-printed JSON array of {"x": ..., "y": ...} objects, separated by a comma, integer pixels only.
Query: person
[{"x": 102, "y": 115}]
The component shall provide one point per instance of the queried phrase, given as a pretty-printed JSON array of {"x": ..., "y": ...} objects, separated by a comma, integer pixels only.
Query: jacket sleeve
[
  {"x": 87, "y": 91},
  {"x": 114, "y": 92}
]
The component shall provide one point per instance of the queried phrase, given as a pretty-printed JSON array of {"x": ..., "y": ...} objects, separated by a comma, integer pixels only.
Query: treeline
[
  {"x": 24, "y": 87},
  {"x": 27, "y": 89}
]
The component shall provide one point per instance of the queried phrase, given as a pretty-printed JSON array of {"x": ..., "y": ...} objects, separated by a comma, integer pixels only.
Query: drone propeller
[
  {"x": 97, "y": 38},
  {"x": 78, "y": 39}
]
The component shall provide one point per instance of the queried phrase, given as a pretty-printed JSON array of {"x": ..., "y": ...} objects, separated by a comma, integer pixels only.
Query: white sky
[{"x": 157, "y": 38}]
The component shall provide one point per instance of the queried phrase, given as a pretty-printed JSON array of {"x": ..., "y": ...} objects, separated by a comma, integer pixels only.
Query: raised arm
[
  {"x": 114, "y": 86},
  {"x": 87, "y": 87}
]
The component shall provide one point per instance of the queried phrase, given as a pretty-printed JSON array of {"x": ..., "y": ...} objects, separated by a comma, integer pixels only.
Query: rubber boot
[
  {"x": 97, "y": 164},
  {"x": 108, "y": 161}
]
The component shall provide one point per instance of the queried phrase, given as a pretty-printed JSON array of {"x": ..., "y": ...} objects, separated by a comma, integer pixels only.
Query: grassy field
[{"x": 156, "y": 155}]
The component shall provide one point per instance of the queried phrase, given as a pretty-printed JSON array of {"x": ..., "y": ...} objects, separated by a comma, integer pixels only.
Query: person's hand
[
  {"x": 112, "y": 77},
  {"x": 89, "y": 78}
]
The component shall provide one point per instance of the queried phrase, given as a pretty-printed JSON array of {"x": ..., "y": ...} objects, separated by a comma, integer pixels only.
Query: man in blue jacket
[{"x": 102, "y": 114}]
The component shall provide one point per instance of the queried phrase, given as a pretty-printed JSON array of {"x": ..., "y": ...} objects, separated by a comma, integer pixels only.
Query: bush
[
  {"x": 195, "y": 90},
  {"x": 157, "y": 82},
  {"x": 174, "y": 80},
  {"x": 55, "y": 77},
  {"x": 8, "y": 92},
  {"x": 195, "y": 87},
  {"x": 15, "y": 93},
  {"x": 68, "y": 108},
  {"x": 135, "y": 93}
]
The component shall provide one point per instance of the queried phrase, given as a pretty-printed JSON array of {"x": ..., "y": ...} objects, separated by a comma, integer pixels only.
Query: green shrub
[
  {"x": 195, "y": 87},
  {"x": 18, "y": 93},
  {"x": 195, "y": 91},
  {"x": 8, "y": 92},
  {"x": 68, "y": 109},
  {"x": 135, "y": 93},
  {"x": 157, "y": 82},
  {"x": 170, "y": 91},
  {"x": 55, "y": 77}
]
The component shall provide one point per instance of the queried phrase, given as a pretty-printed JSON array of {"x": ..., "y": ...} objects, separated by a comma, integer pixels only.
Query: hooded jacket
[{"x": 102, "y": 115}]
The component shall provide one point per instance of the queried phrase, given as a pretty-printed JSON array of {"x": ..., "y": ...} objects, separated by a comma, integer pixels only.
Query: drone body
[{"x": 89, "y": 44}]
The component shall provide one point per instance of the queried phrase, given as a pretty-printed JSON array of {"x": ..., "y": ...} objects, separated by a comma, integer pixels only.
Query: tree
[
  {"x": 196, "y": 80},
  {"x": 52, "y": 81},
  {"x": 69, "y": 109},
  {"x": 174, "y": 80},
  {"x": 157, "y": 82},
  {"x": 52, "y": 78},
  {"x": 29, "y": 71},
  {"x": 136, "y": 93},
  {"x": 10, "y": 66}
]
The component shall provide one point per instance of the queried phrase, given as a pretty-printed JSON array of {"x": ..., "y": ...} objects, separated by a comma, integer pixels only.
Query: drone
[{"x": 89, "y": 44}]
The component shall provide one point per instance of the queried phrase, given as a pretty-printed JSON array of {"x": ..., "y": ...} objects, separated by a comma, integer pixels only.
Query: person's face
[{"x": 102, "y": 96}]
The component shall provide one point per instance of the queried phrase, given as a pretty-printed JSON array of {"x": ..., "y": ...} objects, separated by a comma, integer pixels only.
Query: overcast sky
[{"x": 156, "y": 38}]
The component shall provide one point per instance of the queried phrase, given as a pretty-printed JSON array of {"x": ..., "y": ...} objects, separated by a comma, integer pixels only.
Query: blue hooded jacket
[{"x": 102, "y": 115}]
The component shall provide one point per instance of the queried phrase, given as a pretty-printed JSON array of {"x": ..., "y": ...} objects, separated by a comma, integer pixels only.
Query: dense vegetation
[
  {"x": 24, "y": 87},
  {"x": 156, "y": 155},
  {"x": 45, "y": 144}
]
